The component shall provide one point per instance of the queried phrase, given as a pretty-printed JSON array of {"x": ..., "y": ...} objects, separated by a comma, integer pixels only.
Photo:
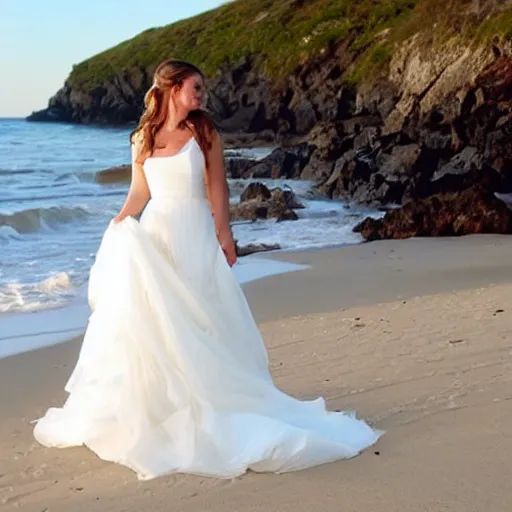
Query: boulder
[
  {"x": 258, "y": 202},
  {"x": 121, "y": 174},
  {"x": 281, "y": 163},
  {"x": 474, "y": 210},
  {"x": 256, "y": 190},
  {"x": 236, "y": 167},
  {"x": 245, "y": 250},
  {"x": 305, "y": 117}
]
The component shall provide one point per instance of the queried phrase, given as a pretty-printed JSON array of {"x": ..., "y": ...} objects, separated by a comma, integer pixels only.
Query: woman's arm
[
  {"x": 218, "y": 195},
  {"x": 138, "y": 195}
]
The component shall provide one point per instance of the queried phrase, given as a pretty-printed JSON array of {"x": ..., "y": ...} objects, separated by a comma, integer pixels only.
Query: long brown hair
[{"x": 169, "y": 74}]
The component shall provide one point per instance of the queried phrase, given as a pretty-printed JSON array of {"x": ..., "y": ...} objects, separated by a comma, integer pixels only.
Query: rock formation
[{"x": 388, "y": 109}]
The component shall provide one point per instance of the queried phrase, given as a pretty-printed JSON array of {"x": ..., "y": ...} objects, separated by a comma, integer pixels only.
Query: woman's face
[{"x": 191, "y": 94}]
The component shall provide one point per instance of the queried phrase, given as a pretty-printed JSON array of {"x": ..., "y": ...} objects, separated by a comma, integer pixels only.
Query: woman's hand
[
  {"x": 228, "y": 246},
  {"x": 119, "y": 218}
]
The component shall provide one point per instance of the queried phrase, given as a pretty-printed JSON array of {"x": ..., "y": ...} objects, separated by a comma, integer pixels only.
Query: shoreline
[
  {"x": 377, "y": 272},
  {"x": 318, "y": 263},
  {"x": 17, "y": 338},
  {"x": 419, "y": 348}
]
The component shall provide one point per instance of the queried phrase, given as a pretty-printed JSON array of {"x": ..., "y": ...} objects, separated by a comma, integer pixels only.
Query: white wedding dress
[{"x": 173, "y": 375}]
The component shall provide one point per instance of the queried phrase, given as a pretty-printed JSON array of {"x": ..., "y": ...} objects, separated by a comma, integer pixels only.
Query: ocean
[{"x": 53, "y": 213}]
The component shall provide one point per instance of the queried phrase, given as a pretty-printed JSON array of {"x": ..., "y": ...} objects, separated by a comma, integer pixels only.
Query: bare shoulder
[
  {"x": 217, "y": 144},
  {"x": 137, "y": 143},
  {"x": 137, "y": 139}
]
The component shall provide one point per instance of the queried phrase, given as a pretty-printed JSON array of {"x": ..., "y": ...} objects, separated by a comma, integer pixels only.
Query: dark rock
[
  {"x": 282, "y": 214},
  {"x": 327, "y": 140},
  {"x": 437, "y": 141},
  {"x": 261, "y": 169},
  {"x": 377, "y": 99},
  {"x": 475, "y": 210},
  {"x": 250, "y": 210},
  {"x": 245, "y": 250},
  {"x": 496, "y": 80},
  {"x": 236, "y": 167},
  {"x": 258, "y": 202},
  {"x": 317, "y": 169},
  {"x": 121, "y": 174},
  {"x": 257, "y": 191},
  {"x": 331, "y": 100},
  {"x": 296, "y": 158},
  {"x": 282, "y": 204},
  {"x": 372, "y": 176},
  {"x": 367, "y": 138},
  {"x": 408, "y": 169},
  {"x": 305, "y": 117},
  {"x": 498, "y": 156},
  {"x": 339, "y": 182},
  {"x": 47, "y": 115},
  {"x": 116, "y": 101},
  {"x": 469, "y": 160},
  {"x": 264, "y": 138},
  {"x": 400, "y": 164},
  {"x": 244, "y": 116},
  {"x": 281, "y": 163},
  {"x": 486, "y": 124},
  {"x": 287, "y": 195},
  {"x": 357, "y": 124}
]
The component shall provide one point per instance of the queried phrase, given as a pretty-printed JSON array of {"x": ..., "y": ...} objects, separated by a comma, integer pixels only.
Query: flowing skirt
[{"x": 173, "y": 373}]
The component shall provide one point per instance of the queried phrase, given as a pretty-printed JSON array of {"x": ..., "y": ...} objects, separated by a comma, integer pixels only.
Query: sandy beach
[{"x": 414, "y": 335}]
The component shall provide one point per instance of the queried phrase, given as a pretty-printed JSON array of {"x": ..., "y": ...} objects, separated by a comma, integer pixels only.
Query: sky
[{"x": 40, "y": 40}]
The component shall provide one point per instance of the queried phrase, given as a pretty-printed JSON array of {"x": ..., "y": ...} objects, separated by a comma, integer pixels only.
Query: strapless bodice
[{"x": 177, "y": 176}]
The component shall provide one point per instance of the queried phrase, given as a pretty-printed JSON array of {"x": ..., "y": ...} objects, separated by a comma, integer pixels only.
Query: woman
[{"x": 173, "y": 374}]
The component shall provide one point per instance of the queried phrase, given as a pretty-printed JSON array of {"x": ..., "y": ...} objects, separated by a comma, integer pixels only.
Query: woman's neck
[{"x": 175, "y": 119}]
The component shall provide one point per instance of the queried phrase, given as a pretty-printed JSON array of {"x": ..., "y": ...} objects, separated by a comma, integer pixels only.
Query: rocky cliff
[
  {"x": 388, "y": 100},
  {"x": 284, "y": 65}
]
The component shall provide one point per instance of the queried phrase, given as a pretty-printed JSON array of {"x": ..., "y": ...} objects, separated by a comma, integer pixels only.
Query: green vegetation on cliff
[
  {"x": 280, "y": 34},
  {"x": 470, "y": 22}
]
